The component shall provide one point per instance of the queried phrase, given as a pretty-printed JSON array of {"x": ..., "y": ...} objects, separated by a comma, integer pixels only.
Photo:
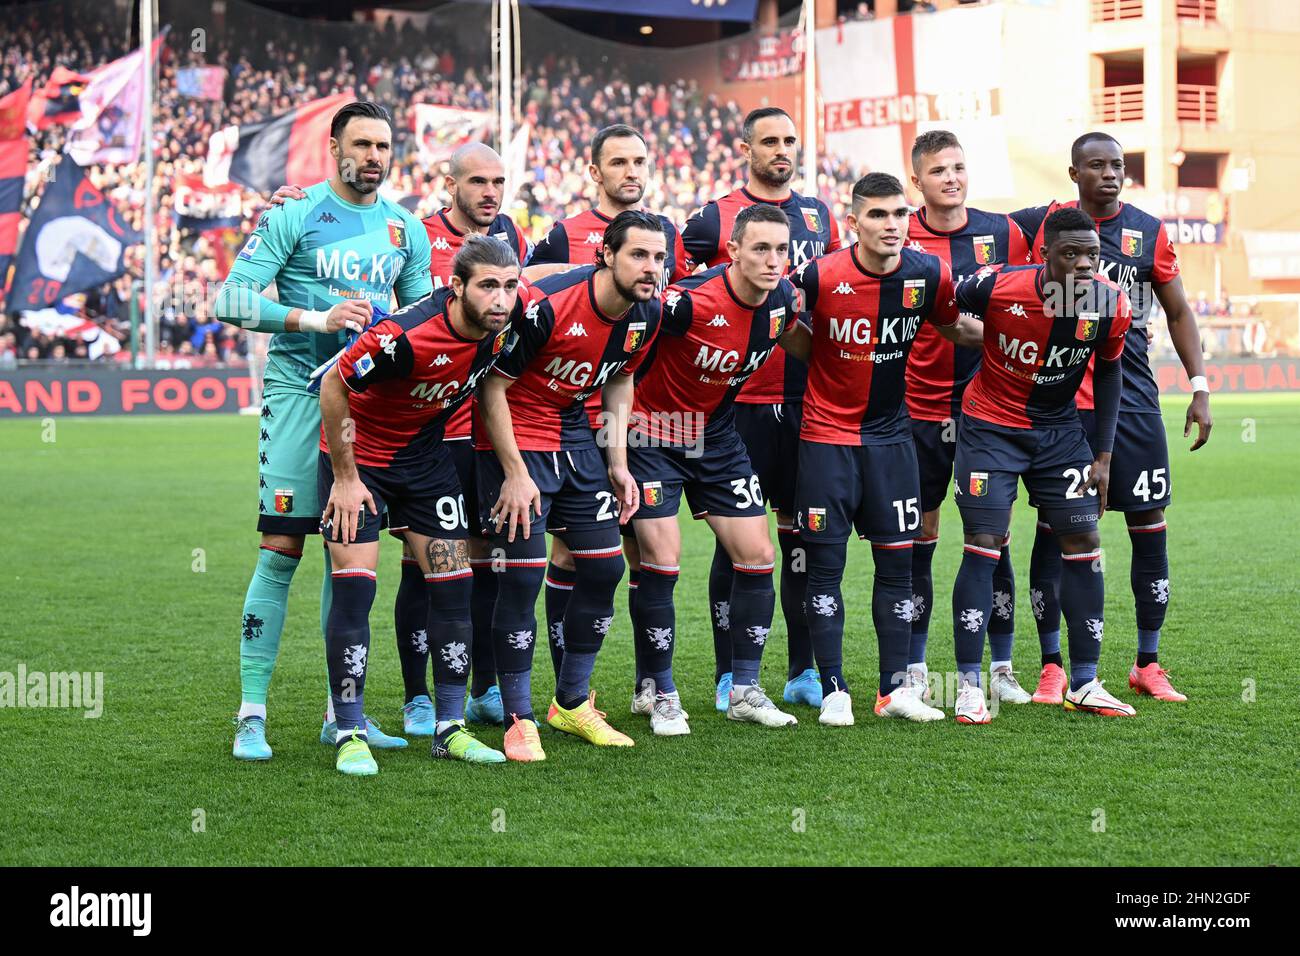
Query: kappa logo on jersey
[
  {"x": 283, "y": 500},
  {"x": 843, "y": 289},
  {"x": 916, "y": 246},
  {"x": 985, "y": 249},
  {"x": 1130, "y": 243},
  {"x": 1016, "y": 309},
  {"x": 913, "y": 293},
  {"x": 365, "y": 364},
  {"x": 499, "y": 342},
  {"x": 816, "y": 519},
  {"x": 671, "y": 299},
  {"x": 326, "y": 217},
  {"x": 652, "y": 492},
  {"x": 1086, "y": 329},
  {"x": 635, "y": 336},
  {"x": 250, "y": 247},
  {"x": 802, "y": 266},
  {"x": 441, "y": 244},
  {"x": 389, "y": 344},
  {"x": 777, "y": 318},
  {"x": 812, "y": 218},
  {"x": 396, "y": 233},
  {"x": 531, "y": 312},
  {"x": 594, "y": 238},
  {"x": 979, "y": 483},
  {"x": 719, "y": 321},
  {"x": 576, "y": 329},
  {"x": 442, "y": 359}
]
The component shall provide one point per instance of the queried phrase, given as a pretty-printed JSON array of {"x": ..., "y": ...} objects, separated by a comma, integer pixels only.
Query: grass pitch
[{"x": 130, "y": 543}]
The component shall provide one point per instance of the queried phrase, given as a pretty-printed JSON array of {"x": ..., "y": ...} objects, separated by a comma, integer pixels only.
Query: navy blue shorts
[
  {"x": 719, "y": 481},
  {"x": 936, "y": 447},
  {"x": 423, "y": 497},
  {"x": 1054, "y": 464},
  {"x": 574, "y": 486},
  {"x": 873, "y": 489},
  {"x": 1139, "y": 465},
  {"x": 770, "y": 434},
  {"x": 626, "y": 530}
]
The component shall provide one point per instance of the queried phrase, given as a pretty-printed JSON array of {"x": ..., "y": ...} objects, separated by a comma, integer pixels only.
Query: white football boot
[
  {"x": 643, "y": 700},
  {"x": 837, "y": 708},
  {"x": 971, "y": 708},
  {"x": 905, "y": 702},
  {"x": 1004, "y": 687},
  {"x": 1093, "y": 698},
  {"x": 751, "y": 705},
  {"x": 667, "y": 719}
]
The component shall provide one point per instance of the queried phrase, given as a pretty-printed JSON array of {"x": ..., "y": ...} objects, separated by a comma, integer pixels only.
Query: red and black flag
[
  {"x": 13, "y": 168},
  {"x": 58, "y": 102},
  {"x": 290, "y": 148}
]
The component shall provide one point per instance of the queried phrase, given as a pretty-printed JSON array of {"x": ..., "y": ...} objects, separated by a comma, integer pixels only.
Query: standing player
[
  {"x": 1042, "y": 325},
  {"x": 1136, "y": 255},
  {"x": 330, "y": 256},
  {"x": 857, "y": 463},
  {"x": 475, "y": 183},
  {"x": 719, "y": 327},
  {"x": 768, "y": 407},
  {"x": 383, "y": 409},
  {"x": 937, "y": 373},
  {"x": 540, "y": 468},
  {"x": 620, "y": 168}
]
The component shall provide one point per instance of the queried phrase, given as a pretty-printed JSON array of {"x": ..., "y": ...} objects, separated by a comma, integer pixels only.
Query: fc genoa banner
[{"x": 885, "y": 81}]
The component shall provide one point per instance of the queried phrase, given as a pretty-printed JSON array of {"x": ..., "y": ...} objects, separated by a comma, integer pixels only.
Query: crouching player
[
  {"x": 539, "y": 467},
  {"x": 382, "y": 457},
  {"x": 857, "y": 461},
  {"x": 719, "y": 327},
  {"x": 1042, "y": 324}
]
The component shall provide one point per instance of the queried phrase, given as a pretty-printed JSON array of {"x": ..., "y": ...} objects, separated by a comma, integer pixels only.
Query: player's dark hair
[
  {"x": 753, "y": 117},
  {"x": 929, "y": 143},
  {"x": 616, "y": 131},
  {"x": 478, "y": 251},
  {"x": 1068, "y": 219},
  {"x": 759, "y": 212},
  {"x": 876, "y": 186},
  {"x": 360, "y": 108},
  {"x": 1077, "y": 147},
  {"x": 617, "y": 230}
]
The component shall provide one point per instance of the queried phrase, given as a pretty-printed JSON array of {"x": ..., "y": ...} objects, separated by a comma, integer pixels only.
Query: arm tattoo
[{"x": 448, "y": 555}]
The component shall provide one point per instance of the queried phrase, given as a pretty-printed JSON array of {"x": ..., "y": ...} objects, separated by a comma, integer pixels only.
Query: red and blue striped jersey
[
  {"x": 863, "y": 326},
  {"x": 1034, "y": 361},
  {"x": 566, "y": 350},
  {"x": 408, "y": 375},
  {"x": 937, "y": 370},
  {"x": 1137, "y": 256},
  {"x": 813, "y": 233},
  {"x": 709, "y": 345}
]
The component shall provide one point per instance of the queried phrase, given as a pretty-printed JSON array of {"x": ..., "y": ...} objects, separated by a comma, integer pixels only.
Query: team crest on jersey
[
  {"x": 1086, "y": 329},
  {"x": 1130, "y": 243},
  {"x": 979, "y": 483},
  {"x": 652, "y": 492},
  {"x": 396, "y": 233},
  {"x": 816, "y": 519},
  {"x": 777, "y": 319},
  {"x": 913, "y": 293},
  {"x": 635, "y": 336},
  {"x": 283, "y": 501},
  {"x": 812, "y": 218},
  {"x": 985, "y": 249},
  {"x": 499, "y": 342}
]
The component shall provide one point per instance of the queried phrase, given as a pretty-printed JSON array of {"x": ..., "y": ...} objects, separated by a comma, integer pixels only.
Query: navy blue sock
[
  {"x": 922, "y": 597},
  {"x": 1149, "y": 576},
  {"x": 720, "y": 610},
  {"x": 633, "y": 592},
  {"x": 753, "y": 602},
  {"x": 794, "y": 585},
  {"x": 347, "y": 644},
  {"x": 514, "y": 623},
  {"x": 1002, "y": 622},
  {"x": 655, "y": 625},
  {"x": 825, "y": 604},
  {"x": 972, "y": 600},
  {"x": 1083, "y": 599},
  {"x": 1044, "y": 591},
  {"x": 891, "y": 610},
  {"x": 451, "y": 637},
  {"x": 588, "y": 617},
  {"x": 483, "y": 601},
  {"x": 411, "y": 622},
  {"x": 559, "y": 586}
]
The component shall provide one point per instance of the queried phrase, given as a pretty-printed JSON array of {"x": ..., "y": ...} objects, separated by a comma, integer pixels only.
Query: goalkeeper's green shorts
[{"x": 288, "y": 448}]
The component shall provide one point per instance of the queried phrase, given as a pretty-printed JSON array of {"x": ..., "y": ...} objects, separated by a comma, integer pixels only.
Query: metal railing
[
  {"x": 1104, "y": 11},
  {"x": 1117, "y": 104},
  {"x": 1198, "y": 103},
  {"x": 1203, "y": 10}
]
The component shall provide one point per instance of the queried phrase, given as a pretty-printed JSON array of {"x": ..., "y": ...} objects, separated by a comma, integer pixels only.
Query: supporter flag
[
  {"x": 58, "y": 101},
  {"x": 201, "y": 82},
  {"x": 440, "y": 130},
  {"x": 290, "y": 148},
  {"x": 13, "y": 167},
  {"x": 74, "y": 242},
  {"x": 201, "y": 208},
  {"x": 111, "y": 126}
]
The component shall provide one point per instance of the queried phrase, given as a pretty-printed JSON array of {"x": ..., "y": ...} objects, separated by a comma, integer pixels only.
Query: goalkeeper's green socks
[{"x": 264, "y": 609}]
